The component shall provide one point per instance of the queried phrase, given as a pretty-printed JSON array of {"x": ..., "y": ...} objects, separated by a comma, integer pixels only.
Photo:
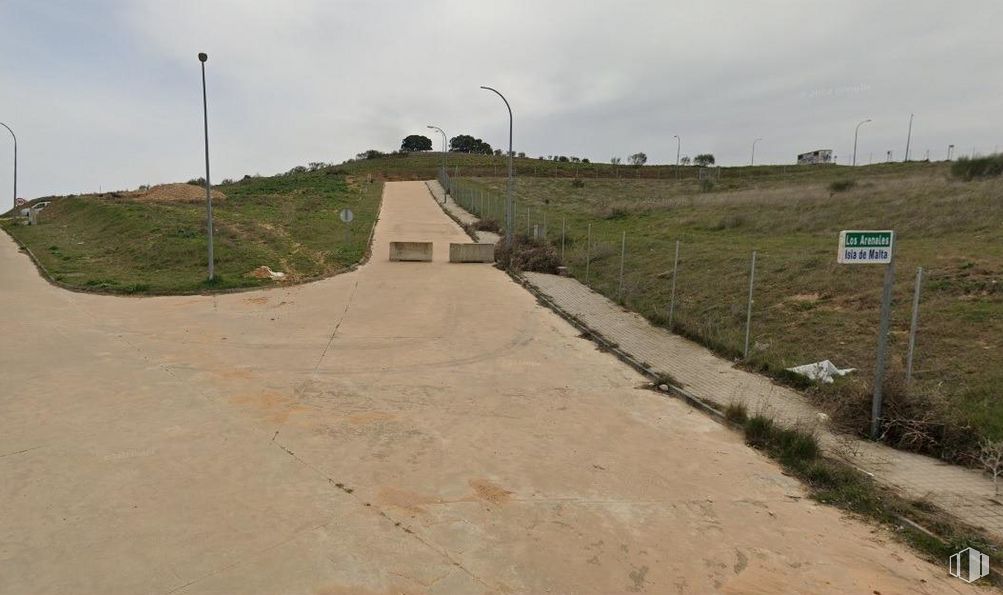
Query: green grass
[
  {"x": 112, "y": 243},
  {"x": 807, "y": 307}
]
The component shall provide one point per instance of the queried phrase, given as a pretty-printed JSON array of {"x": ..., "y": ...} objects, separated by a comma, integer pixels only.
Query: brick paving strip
[{"x": 706, "y": 378}]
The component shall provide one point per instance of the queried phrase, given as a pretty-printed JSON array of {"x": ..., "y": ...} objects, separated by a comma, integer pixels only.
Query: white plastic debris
[
  {"x": 264, "y": 272},
  {"x": 823, "y": 371}
]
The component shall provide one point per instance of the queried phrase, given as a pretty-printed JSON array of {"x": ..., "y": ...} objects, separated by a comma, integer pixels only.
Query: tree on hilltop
[
  {"x": 416, "y": 142},
  {"x": 465, "y": 143},
  {"x": 638, "y": 159}
]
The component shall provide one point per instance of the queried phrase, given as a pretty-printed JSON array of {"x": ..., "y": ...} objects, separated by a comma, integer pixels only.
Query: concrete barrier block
[
  {"x": 471, "y": 253},
  {"x": 411, "y": 251}
]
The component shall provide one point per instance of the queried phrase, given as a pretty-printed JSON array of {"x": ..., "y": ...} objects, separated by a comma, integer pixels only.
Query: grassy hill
[{"x": 123, "y": 242}]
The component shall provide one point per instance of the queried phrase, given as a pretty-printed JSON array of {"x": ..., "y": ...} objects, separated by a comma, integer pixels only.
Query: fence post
[
  {"x": 588, "y": 253},
  {"x": 879, "y": 373},
  {"x": 748, "y": 315},
  {"x": 545, "y": 225},
  {"x": 912, "y": 326},
  {"x": 623, "y": 253},
  {"x": 529, "y": 226},
  {"x": 563, "y": 228},
  {"x": 672, "y": 296}
]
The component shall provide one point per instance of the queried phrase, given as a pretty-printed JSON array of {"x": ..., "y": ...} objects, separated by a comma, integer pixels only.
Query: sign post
[{"x": 873, "y": 247}]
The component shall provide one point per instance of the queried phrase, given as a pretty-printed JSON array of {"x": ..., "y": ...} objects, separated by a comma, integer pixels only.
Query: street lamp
[
  {"x": 753, "y": 160},
  {"x": 508, "y": 186},
  {"x": 208, "y": 187},
  {"x": 855, "y": 132},
  {"x": 442, "y": 177},
  {"x": 907, "y": 139},
  {"x": 14, "y": 203},
  {"x": 678, "y": 145}
]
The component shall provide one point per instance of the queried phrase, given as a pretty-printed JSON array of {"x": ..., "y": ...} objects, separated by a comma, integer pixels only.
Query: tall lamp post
[
  {"x": 442, "y": 177},
  {"x": 855, "y": 132},
  {"x": 908, "y": 138},
  {"x": 208, "y": 187},
  {"x": 753, "y": 160},
  {"x": 508, "y": 186},
  {"x": 678, "y": 146},
  {"x": 13, "y": 203}
]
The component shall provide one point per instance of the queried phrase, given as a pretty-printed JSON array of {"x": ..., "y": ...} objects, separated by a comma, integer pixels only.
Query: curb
[{"x": 613, "y": 348}]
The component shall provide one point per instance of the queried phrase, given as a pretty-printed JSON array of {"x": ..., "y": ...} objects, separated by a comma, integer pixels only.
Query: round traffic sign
[{"x": 346, "y": 215}]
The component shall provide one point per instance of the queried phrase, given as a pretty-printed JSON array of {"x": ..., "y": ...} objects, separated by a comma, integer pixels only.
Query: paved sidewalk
[
  {"x": 966, "y": 493},
  {"x": 459, "y": 213}
]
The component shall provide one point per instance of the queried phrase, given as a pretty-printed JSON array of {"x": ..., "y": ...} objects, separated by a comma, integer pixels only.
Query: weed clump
[
  {"x": 487, "y": 225},
  {"x": 736, "y": 413},
  {"x": 842, "y": 185},
  {"x": 913, "y": 420},
  {"x": 527, "y": 254}
]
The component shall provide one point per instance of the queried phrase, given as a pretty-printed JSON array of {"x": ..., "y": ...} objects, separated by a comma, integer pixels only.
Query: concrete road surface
[{"x": 408, "y": 427}]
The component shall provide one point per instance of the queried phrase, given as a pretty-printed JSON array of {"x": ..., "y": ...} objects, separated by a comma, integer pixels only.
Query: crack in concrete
[
  {"x": 399, "y": 524},
  {"x": 344, "y": 314}
]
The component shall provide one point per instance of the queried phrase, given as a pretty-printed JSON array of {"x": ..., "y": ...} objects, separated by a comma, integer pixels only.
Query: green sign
[{"x": 865, "y": 246}]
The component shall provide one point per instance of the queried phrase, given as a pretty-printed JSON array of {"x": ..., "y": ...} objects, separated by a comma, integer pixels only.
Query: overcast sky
[{"x": 106, "y": 93}]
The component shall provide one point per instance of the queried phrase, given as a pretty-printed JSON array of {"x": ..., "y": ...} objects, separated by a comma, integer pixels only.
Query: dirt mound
[{"x": 175, "y": 193}]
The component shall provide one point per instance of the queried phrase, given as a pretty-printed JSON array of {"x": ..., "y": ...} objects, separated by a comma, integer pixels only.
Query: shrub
[
  {"x": 487, "y": 225},
  {"x": 614, "y": 213},
  {"x": 979, "y": 167},
  {"x": 527, "y": 254},
  {"x": 706, "y": 185},
  {"x": 842, "y": 185},
  {"x": 197, "y": 181},
  {"x": 915, "y": 421},
  {"x": 729, "y": 222},
  {"x": 577, "y": 183}
]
